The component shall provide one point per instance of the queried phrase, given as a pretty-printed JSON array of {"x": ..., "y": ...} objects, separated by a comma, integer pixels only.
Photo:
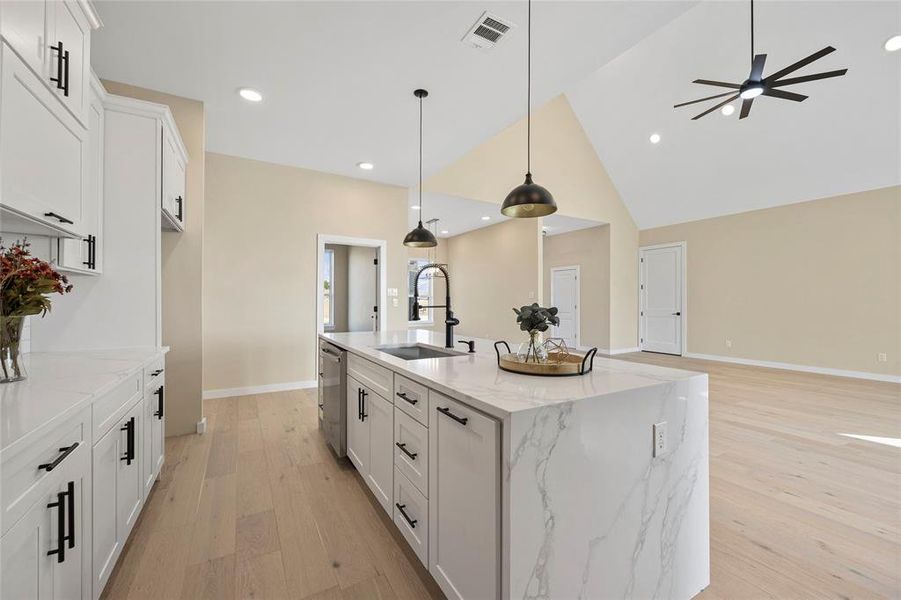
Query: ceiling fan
[{"x": 758, "y": 85}]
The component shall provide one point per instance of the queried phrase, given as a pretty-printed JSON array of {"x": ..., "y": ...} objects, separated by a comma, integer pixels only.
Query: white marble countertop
[
  {"x": 60, "y": 384},
  {"x": 475, "y": 379}
]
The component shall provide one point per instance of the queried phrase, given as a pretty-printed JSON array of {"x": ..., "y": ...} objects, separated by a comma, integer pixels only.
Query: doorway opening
[
  {"x": 662, "y": 298},
  {"x": 351, "y": 293}
]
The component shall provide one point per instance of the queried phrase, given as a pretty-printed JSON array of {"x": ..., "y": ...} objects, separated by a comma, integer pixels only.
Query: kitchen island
[{"x": 591, "y": 486}]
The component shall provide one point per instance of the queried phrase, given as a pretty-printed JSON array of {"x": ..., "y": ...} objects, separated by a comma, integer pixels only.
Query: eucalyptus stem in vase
[
  {"x": 535, "y": 320},
  {"x": 26, "y": 283}
]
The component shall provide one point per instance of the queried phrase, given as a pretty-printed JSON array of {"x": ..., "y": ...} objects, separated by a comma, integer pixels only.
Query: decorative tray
[{"x": 556, "y": 365}]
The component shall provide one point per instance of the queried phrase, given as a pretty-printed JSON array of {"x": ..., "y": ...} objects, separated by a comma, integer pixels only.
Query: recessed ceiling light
[
  {"x": 893, "y": 44},
  {"x": 728, "y": 110},
  {"x": 655, "y": 138},
  {"x": 250, "y": 95},
  {"x": 444, "y": 232},
  {"x": 366, "y": 166},
  {"x": 414, "y": 207},
  {"x": 486, "y": 218}
]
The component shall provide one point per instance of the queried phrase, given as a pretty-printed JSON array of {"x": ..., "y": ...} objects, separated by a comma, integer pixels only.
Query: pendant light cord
[
  {"x": 420, "y": 159},
  {"x": 529, "y": 94}
]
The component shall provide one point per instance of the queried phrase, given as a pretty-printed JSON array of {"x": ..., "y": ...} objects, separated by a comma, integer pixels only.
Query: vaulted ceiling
[{"x": 337, "y": 79}]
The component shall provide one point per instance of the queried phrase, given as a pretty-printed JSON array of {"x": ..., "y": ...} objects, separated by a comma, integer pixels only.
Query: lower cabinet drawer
[
  {"x": 412, "y": 398},
  {"x": 28, "y": 474},
  {"x": 411, "y": 516},
  {"x": 411, "y": 450},
  {"x": 108, "y": 409}
]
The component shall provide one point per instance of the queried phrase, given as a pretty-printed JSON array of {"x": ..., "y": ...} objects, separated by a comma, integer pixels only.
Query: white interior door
[
  {"x": 565, "y": 296},
  {"x": 661, "y": 293}
]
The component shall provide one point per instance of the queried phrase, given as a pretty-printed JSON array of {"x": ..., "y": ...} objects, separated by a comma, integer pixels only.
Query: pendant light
[
  {"x": 529, "y": 199},
  {"x": 420, "y": 237}
]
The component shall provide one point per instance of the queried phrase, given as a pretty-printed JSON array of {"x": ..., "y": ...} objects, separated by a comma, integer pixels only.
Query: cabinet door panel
[
  {"x": 22, "y": 563},
  {"x": 357, "y": 428},
  {"x": 73, "y": 31},
  {"x": 464, "y": 488},
  {"x": 23, "y": 26},
  {"x": 381, "y": 449},
  {"x": 106, "y": 539},
  {"x": 41, "y": 149},
  {"x": 129, "y": 484},
  {"x": 158, "y": 429}
]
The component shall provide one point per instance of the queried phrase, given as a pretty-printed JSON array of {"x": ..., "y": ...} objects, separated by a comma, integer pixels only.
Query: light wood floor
[{"x": 259, "y": 508}]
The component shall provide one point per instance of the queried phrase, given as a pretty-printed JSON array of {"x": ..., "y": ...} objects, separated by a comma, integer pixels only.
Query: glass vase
[
  {"x": 12, "y": 367},
  {"x": 533, "y": 350}
]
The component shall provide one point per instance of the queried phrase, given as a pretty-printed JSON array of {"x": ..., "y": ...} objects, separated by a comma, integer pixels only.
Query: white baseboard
[
  {"x": 615, "y": 351},
  {"x": 794, "y": 367},
  {"x": 259, "y": 389}
]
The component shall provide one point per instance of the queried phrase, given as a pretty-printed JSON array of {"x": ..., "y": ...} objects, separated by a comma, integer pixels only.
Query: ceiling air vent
[{"x": 487, "y": 31}]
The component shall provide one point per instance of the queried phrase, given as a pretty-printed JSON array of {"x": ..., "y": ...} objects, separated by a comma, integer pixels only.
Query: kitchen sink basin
[{"x": 418, "y": 352}]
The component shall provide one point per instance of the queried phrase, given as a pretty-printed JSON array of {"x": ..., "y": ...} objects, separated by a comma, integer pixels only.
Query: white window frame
[
  {"x": 420, "y": 262},
  {"x": 329, "y": 255}
]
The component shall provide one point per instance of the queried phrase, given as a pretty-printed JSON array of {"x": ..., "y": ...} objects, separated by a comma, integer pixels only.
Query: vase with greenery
[
  {"x": 26, "y": 284},
  {"x": 535, "y": 320}
]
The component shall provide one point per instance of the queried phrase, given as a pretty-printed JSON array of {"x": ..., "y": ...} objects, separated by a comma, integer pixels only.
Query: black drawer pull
[
  {"x": 161, "y": 405},
  {"x": 59, "y": 218},
  {"x": 70, "y": 490},
  {"x": 406, "y": 517},
  {"x": 403, "y": 448},
  {"x": 60, "y": 506},
  {"x": 403, "y": 396},
  {"x": 363, "y": 394},
  {"x": 181, "y": 202},
  {"x": 157, "y": 372},
  {"x": 129, "y": 428},
  {"x": 447, "y": 412},
  {"x": 65, "y": 452}
]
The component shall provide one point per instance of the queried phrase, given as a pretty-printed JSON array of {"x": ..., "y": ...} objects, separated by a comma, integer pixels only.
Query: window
[
  {"x": 425, "y": 291},
  {"x": 328, "y": 289}
]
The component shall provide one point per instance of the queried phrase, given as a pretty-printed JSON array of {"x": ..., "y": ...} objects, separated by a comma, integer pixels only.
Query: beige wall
[
  {"x": 260, "y": 263},
  {"x": 564, "y": 161},
  {"x": 816, "y": 283},
  {"x": 339, "y": 281},
  {"x": 492, "y": 270},
  {"x": 181, "y": 266},
  {"x": 589, "y": 249}
]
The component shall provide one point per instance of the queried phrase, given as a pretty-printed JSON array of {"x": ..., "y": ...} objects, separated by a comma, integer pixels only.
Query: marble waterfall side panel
[{"x": 591, "y": 513}]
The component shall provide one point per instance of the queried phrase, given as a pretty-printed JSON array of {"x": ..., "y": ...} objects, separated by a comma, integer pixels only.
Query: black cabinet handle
[
  {"x": 403, "y": 448},
  {"x": 70, "y": 491},
  {"x": 447, "y": 412},
  {"x": 359, "y": 404},
  {"x": 404, "y": 514},
  {"x": 180, "y": 201},
  {"x": 157, "y": 372},
  {"x": 677, "y": 314},
  {"x": 91, "y": 263},
  {"x": 403, "y": 396},
  {"x": 161, "y": 403},
  {"x": 363, "y": 394},
  {"x": 59, "y": 218},
  {"x": 62, "y": 68},
  {"x": 65, "y": 452},
  {"x": 129, "y": 428},
  {"x": 60, "y": 506}
]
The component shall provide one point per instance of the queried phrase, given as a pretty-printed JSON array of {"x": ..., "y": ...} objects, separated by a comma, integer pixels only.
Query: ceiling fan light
[
  {"x": 728, "y": 109},
  {"x": 893, "y": 44},
  {"x": 751, "y": 91}
]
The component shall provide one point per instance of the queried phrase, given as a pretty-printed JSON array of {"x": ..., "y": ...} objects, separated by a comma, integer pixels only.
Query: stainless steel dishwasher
[{"x": 332, "y": 392}]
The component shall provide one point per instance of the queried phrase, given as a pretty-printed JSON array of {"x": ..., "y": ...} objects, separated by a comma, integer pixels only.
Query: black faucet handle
[
  {"x": 470, "y": 343},
  {"x": 452, "y": 321}
]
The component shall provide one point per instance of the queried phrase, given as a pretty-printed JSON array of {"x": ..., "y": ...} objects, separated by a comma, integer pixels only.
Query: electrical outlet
[
  {"x": 395, "y": 302},
  {"x": 659, "y": 439},
  {"x": 728, "y": 343},
  {"x": 392, "y": 293},
  {"x": 883, "y": 357}
]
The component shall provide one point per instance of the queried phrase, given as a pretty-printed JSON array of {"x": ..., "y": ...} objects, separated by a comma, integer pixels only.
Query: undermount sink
[{"x": 418, "y": 351}]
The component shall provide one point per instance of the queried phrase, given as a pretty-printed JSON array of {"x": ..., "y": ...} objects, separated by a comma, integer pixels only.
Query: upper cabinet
[
  {"x": 173, "y": 203},
  {"x": 45, "y": 115}
]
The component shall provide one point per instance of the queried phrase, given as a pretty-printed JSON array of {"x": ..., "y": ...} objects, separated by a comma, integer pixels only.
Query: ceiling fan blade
[
  {"x": 784, "y": 95},
  {"x": 713, "y": 108},
  {"x": 745, "y": 107},
  {"x": 734, "y": 86},
  {"x": 757, "y": 67},
  {"x": 814, "y": 77},
  {"x": 801, "y": 63},
  {"x": 702, "y": 99}
]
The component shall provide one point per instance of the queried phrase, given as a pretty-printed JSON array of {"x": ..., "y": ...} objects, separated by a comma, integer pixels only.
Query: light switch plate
[{"x": 659, "y": 439}]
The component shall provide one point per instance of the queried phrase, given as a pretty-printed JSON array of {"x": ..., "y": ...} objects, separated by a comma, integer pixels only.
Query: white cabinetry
[
  {"x": 464, "y": 493},
  {"x": 154, "y": 427},
  {"x": 370, "y": 434},
  {"x": 173, "y": 199},
  {"x": 46, "y": 554},
  {"x": 44, "y": 99}
]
